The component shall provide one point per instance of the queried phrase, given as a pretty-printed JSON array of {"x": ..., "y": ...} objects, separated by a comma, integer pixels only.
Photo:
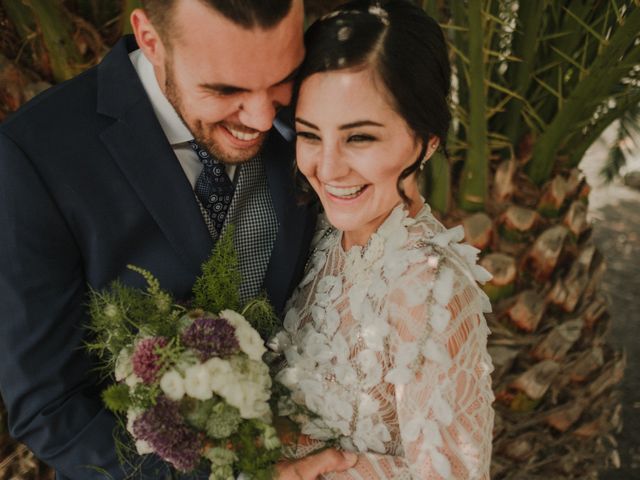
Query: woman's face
[{"x": 352, "y": 147}]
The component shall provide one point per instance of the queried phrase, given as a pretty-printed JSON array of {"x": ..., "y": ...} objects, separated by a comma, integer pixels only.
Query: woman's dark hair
[{"x": 406, "y": 49}]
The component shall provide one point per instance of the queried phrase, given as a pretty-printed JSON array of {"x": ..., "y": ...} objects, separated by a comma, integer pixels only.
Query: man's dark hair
[
  {"x": 245, "y": 13},
  {"x": 404, "y": 46}
]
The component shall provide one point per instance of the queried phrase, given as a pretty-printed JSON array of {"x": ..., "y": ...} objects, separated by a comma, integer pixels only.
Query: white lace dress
[{"x": 387, "y": 344}]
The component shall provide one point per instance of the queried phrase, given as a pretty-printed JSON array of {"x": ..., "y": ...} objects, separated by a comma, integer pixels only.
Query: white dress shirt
[{"x": 172, "y": 125}]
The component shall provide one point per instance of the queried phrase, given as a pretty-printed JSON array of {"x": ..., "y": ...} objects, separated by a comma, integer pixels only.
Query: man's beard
[{"x": 197, "y": 128}]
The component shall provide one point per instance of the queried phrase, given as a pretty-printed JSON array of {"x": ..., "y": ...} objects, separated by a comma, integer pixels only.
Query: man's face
[{"x": 225, "y": 81}]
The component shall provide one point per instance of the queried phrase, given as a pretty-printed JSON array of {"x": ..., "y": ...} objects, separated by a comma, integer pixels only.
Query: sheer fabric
[{"x": 387, "y": 344}]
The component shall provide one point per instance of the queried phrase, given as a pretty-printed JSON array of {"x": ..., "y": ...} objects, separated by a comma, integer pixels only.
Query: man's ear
[{"x": 148, "y": 37}]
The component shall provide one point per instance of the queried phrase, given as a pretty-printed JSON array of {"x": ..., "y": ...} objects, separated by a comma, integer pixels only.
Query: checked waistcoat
[{"x": 255, "y": 224}]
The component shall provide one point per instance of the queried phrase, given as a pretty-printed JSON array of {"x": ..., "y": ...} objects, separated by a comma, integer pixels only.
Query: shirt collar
[{"x": 174, "y": 128}]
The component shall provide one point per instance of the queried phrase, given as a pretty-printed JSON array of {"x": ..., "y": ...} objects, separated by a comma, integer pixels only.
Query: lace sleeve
[{"x": 440, "y": 369}]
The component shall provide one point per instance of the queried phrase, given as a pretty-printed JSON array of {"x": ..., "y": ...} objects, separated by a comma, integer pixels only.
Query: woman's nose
[{"x": 332, "y": 164}]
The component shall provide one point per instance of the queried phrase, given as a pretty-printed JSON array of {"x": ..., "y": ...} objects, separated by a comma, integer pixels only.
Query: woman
[{"x": 385, "y": 338}]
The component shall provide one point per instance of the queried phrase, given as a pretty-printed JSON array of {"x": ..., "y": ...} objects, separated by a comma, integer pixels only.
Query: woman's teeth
[
  {"x": 243, "y": 135},
  {"x": 344, "y": 192}
]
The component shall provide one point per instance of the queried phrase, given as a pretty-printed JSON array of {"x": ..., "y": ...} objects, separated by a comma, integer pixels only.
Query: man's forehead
[{"x": 248, "y": 58}]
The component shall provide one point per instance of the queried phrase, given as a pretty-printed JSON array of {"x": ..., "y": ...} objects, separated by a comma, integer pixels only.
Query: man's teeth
[
  {"x": 243, "y": 135},
  {"x": 344, "y": 192}
]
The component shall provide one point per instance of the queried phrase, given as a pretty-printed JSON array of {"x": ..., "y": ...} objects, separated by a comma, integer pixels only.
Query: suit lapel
[{"x": 137, "y": 143}]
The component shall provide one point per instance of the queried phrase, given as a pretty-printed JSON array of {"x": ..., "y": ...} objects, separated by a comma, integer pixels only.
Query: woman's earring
[{"x": 427, "y": 155}]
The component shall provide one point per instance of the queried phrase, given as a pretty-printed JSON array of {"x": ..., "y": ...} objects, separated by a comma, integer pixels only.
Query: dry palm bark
[
  {"x": 554, "y": 370},
  {"x": 555, "y": 373}
]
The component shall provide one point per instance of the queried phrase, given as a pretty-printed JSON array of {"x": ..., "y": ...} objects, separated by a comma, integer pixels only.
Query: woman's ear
[{"x": 432, "y": 146}]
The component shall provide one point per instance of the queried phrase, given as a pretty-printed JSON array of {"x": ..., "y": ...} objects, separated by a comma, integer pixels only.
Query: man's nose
[{"x": 258, "y": 112}]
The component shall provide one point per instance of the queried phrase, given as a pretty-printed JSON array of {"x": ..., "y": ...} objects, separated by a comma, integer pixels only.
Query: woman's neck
[{"x": 361, "y": 236}]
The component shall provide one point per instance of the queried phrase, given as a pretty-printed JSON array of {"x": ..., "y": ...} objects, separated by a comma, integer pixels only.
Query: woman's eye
[
  {"x": 307, "y": 135},
  {"x": 360, "y": 138}
]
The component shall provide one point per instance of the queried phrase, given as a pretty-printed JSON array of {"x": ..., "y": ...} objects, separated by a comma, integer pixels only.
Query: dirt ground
[{"x": 615, "y": 211}]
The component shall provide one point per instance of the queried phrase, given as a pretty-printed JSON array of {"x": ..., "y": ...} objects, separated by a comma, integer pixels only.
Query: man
[{"x": 104, "y": 171}]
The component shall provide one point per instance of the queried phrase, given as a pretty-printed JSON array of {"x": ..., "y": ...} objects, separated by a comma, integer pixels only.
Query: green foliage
[
  {"x": 223, "y": 420},
  {"x": 197, "y": 412},
  {"x": 144, "y": 396},
  {"x": 555, "y": 74},
  {"x": 253, "y": 458},
  {"x": 214, "y": 416},
  {"x": 116, "y": 398},
  {"x": 261, "y": 315},
  {"x": 171, "y": 354},
  {"x": 218, "y": 288},
  {"x": 120, "y": 312},
  {"x": 112, "y": 311}
]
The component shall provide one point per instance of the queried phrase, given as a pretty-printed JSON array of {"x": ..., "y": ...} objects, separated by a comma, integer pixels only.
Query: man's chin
[{"x": 234, "y": 154}]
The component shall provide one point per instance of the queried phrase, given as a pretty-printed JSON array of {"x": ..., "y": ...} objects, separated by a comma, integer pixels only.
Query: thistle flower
[
  {"x": 146, "y": 361},
  {"x": 164, "y": 430},
  {"x": 211, "y": 337}
]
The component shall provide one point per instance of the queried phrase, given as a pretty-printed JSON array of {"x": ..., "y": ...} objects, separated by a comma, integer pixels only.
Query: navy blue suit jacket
[{"x": 89, "y": 184}]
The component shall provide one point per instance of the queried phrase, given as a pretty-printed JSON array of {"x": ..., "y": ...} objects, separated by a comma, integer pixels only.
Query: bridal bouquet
[{"x": 189, "y": 382}]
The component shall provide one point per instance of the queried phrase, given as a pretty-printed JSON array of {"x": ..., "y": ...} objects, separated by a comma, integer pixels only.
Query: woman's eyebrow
[
  {"x": 360, "y": 123},
  {"x": 306, "y": 123},
  {"x": 346, "y": 126}
]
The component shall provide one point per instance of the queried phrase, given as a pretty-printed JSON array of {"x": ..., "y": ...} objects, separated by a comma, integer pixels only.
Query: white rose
[
  {"x": 172, "y": 385},
  {"x": 220, "y": 373},
  {"x": 235, "y": 319},
  {"x": 197, "y": 382},
  {"x": 143, "y": 447},
  {"x": 124, "y": 367},
  {"x": 234, "y": 395},
  {"x": 261, "y": 410},
  {"x": 250, "y": 341}
]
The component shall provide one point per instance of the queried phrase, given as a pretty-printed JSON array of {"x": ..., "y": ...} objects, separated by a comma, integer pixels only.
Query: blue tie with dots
[{"x": 213, "y": 187}]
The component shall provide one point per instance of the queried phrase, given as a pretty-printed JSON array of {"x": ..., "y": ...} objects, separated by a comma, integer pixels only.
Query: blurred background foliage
[{"x": 535, "y": 85}]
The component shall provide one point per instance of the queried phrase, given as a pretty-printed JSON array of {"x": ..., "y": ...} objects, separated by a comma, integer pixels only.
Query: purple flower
[
  {"x": 211, "y": 337},
  {"x": 145, "y": 360},
  {"x": 165, "y": 430}
]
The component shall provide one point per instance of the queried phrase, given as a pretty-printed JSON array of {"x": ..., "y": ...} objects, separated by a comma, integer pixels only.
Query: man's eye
[
  {"x": 226, "y": 92},
  {"x": 307, "y": 135},
  {"x": 359, "y": 138}
]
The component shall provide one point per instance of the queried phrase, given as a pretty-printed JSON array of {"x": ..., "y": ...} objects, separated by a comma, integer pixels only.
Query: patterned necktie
[{"x": 213, "y": 187}]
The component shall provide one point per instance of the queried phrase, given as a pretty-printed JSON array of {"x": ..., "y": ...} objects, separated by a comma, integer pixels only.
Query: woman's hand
[{"x": 308, "y": 468}]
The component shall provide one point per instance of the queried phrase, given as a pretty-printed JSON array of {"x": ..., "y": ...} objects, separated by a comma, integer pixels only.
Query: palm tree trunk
[
  {"x": 524, "y": 47},
  {"x": 473, "y": 184},
  {"x": 46, "y": 18}
]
